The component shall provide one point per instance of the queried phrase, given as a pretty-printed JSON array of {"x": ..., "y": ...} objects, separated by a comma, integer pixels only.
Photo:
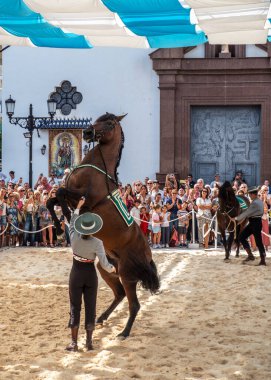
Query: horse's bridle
[{"x": 97, "y": 135}]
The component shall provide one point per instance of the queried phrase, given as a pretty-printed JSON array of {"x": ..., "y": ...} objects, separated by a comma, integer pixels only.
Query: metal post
[
  {"x": 193, "y": 226},
  {"x": 216, "y": 232},
  {"x": 193, "y": 244},
  {"x": 30, "y": 127}
]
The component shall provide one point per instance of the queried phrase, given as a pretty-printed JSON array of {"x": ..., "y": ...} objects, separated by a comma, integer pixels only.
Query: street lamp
[
  {"x": 43, "y": 149},
  {"x": 30, "y": 123}
]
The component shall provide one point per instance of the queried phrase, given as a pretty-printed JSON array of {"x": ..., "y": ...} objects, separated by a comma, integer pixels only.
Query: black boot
[
  {"x": 73, "y": 345},
  {"x": 250, "y": 256},
  {"x": 89, "y": 345},
  {"x": 262, "y": 261}
]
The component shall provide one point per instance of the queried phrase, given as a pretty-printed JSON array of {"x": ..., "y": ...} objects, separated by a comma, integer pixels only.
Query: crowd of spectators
[
  {"x": 164, "y": 214},
  {"x": 24, "y": 209}
]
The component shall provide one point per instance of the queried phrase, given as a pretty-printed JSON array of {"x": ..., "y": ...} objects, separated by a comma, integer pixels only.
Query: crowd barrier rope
[{"x": 193, "y": 212}]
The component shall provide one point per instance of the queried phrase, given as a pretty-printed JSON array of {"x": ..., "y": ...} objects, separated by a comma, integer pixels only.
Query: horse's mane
[
  {"x": 110, "y": 117},
  {"x": 227, "y": 195}
]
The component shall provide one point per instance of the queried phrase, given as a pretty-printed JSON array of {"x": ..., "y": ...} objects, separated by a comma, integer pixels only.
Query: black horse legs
[
  {"x": 50, "y": 205},
  {"x": 119, "y": 289},
  {"x": 227, "y": 243},
  {"x": 134, "y": 306},
  {"x": 61, "y": 201},
  {"x": 114, "y": 283}
]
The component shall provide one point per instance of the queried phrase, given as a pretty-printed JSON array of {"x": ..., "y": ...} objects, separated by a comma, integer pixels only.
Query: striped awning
[{"x": 132, "y": 23}]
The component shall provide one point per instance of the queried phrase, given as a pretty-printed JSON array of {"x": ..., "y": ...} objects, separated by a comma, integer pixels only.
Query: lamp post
[{"x": 30, "y": 123}]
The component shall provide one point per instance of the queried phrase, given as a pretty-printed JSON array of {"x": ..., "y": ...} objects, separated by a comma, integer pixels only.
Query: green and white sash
[
  {"x": 121, "y": 207},
  {"x": 242, "y": 203}
]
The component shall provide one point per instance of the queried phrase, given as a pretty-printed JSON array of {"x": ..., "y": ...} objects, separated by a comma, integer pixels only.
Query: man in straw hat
[
  {"x": 254, "y": 214},
  {"x": 83, "y": 276}
]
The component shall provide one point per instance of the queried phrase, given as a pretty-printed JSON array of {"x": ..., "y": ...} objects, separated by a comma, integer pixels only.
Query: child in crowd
[
  {"x": 156, "y": 226},
  {"x": 183, "y": 223},
  {"x": 135, "y": 212},
  {"x": 144, "y": 222},
  {"x": 165, "y": 235}
]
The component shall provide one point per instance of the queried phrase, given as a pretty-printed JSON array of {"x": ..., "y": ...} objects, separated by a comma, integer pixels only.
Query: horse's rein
[{"x": 231, "y": 221}]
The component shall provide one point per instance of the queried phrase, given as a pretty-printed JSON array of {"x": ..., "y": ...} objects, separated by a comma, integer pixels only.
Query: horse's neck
[{"x": 105, "y": 153}]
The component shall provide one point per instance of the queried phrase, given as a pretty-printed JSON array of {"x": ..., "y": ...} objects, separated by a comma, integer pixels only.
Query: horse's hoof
[
  {"x": 121, "y": 336},
  {"x": 227, "y": 260},
  {"x": 61, "y": 238}
]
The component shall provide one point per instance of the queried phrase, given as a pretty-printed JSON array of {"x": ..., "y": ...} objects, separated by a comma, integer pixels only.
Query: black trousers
[
  {"x": 254, "y": 228},
  {"x": 83, "y": 282}
]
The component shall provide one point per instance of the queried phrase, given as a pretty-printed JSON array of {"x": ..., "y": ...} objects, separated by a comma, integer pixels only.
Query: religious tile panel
[
  {"x": 225, "y": 140},
  {"x": 65, "y": 150}
]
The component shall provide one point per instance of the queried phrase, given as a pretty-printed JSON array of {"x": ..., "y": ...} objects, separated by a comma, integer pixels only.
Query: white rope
[
  {"x": 264, "y": 233},
  {"x": 30, "y": 232},
  {"x": 4, "y": 230},
  {"x": 172, "y": 220},
  {"x": 210, "y": 229}
]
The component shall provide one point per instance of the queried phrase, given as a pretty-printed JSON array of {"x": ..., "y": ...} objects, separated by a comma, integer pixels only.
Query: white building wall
[{"x": 110, "y": 79}]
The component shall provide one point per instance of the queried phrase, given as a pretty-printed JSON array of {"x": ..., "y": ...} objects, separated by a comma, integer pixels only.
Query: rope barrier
[
  {"x": 4, "y": 230},
  {"x": 172, "y": 220},
  {"x": 29, "y": 232}
]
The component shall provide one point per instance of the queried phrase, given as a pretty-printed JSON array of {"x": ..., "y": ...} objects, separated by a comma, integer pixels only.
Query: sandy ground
[{"x": 210, "y": 321}]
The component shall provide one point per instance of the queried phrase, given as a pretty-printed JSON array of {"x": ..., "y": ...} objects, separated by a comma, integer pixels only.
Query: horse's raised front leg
[
  {"x": 114, "y": 283},
  {"x": 50, "y": 205},
  {"x": 61, "y": 197},
  {"x": 134, "y": 306}
]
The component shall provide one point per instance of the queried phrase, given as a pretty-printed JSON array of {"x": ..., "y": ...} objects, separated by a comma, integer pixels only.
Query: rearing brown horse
[
  {"x": 126, "y": 246},
  {"x": 229, "y": 207}
]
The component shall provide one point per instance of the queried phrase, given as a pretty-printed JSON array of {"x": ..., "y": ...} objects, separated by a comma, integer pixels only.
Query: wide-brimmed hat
[
  {"x": 253, "y": 190},
  {"x": 88, "y": 223}
]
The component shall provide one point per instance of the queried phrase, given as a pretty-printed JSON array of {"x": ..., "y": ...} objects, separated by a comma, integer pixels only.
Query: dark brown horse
[
  {"x": 126, "y": 246},
  {"x": 229, "y": 207}
]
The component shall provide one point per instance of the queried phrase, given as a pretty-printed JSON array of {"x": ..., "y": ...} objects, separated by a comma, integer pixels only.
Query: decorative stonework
[
  {"x": 67, "y": 97},
  {"x": 185, "y": 83}
]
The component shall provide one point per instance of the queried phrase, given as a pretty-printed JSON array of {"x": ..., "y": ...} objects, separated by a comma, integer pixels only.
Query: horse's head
[
  {"x": 226, "y": 196},
  {"x": 103, "y": 128}
]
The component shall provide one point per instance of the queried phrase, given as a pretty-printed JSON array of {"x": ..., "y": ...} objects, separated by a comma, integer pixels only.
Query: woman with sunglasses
[
  {"x": 3, "y": 215},
  {"x": 12, "y": 217},
  {"x": 128, "y": 197},
  {"x": 204, "y": 216},
  {"x": 30, "y": 212},
  {"x": 45, "y": 221}
]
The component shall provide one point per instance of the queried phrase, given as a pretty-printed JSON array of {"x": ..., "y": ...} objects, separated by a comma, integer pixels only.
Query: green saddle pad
[
  {"x": 121, "y": 207},
  {"x": 242, "y": 203}
]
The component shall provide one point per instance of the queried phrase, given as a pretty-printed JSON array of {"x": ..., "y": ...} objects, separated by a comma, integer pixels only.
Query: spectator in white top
[
  {"x": 156, "y": 190},
  {"x": 135, "y": 212},
  {"x": 200, "y": 183},
  {"x": 12, "y": 177},
  {"x": 216, "y": 181}
]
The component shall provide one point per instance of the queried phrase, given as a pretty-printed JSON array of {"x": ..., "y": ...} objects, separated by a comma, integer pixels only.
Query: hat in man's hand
[
  {"x": 253, "y": 190},
  {"x": 88, "y": 223}
]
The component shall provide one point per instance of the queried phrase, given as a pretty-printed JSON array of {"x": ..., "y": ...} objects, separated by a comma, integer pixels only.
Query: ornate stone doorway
[
  {"x": 187, "y": 83},
  {"x": 225, "y": 140}
]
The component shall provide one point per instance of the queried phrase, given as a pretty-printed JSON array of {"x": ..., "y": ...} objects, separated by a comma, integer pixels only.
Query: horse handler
[
  {"x": 254, "y": 227},
  {"x": 83, "y": 276}
]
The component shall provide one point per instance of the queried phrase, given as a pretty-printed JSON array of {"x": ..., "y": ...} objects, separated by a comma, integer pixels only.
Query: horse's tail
[{"x": 146, "y": 273}]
